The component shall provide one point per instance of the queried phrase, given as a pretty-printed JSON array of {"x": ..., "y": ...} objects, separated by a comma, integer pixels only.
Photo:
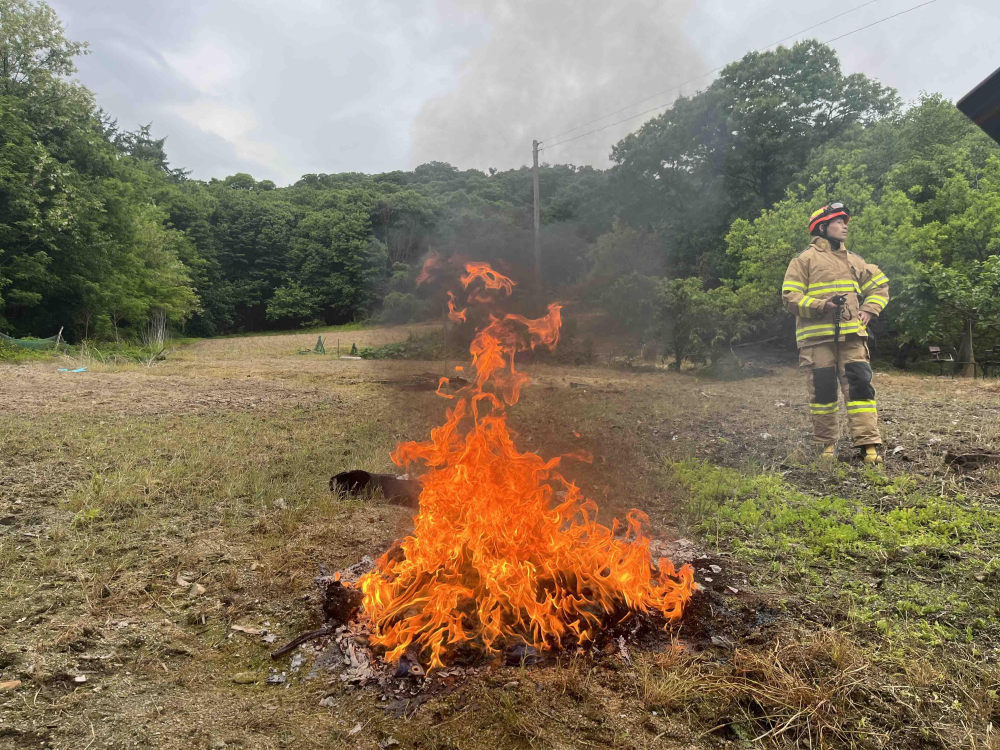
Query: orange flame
[
  {"x": 504, "y": 545},
  {"x": 491, "y": 278},
  {"x": 431, "y": 264},
  {"x": 456, "y": 315}
]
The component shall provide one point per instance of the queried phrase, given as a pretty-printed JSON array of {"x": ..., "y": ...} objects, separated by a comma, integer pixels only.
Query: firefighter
[{"x": 834, "y": 295}]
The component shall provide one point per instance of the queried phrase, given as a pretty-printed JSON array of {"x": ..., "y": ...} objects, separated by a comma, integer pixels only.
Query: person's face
[{"x": 837, "y": 230}]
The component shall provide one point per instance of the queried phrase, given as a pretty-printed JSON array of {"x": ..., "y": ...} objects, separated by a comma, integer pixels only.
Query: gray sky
[{"x": 279, "y": 90}]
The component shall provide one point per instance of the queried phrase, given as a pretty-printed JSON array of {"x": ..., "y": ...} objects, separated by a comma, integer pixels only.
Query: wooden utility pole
[{"x": 538, "y": 239}]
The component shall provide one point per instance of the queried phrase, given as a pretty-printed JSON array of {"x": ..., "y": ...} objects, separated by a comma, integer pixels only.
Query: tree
[
  {"x": 164, "y": 282},
  {"x": 682, "y": 314},
  {"x": 143, "y": 147},
  {"x": 403, "y": 221},
  {"x": 731, "y": 150},
  {"x": 334, "y": 256},
  {"x": 293, "y": 301},
  {"x": 241, "y": 181},
  {"x": 34, "y": 50},
  {"x": 623, "y": 251},
  {"x": 632, "y": 303}
]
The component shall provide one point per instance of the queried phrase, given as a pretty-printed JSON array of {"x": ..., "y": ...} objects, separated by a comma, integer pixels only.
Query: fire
[
  {"x": 457, "y": 316},
  {"x": 505, "y": 546},
  {"x": 431, "y": 264}
]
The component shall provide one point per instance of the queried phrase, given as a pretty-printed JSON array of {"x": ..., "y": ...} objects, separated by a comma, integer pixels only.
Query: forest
[{"x": 684, "y": 239}]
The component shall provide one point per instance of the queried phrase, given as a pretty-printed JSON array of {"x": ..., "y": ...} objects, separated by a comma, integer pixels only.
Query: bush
[
  {"x": 13, "y": 353},
  {"x": 428, "y": 346},
  {"x": 631, "y": 302},
  {"x": 399, "y": 307}
]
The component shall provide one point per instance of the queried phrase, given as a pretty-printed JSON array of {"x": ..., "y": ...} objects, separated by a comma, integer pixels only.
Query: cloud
[
  {"x": 548, "y": 67},
  {"x": 207, "y": 66},
  {"x": 233, "y": 126},
  {"x": 274, "y": 90},
  {"x": 279, "y": 90}
]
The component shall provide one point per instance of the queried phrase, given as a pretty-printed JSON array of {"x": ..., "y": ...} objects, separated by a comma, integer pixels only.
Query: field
[{"x": 144, "y": 511}]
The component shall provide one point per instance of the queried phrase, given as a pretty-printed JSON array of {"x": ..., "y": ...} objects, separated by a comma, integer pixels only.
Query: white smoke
[{"x": 550, "y": 65}]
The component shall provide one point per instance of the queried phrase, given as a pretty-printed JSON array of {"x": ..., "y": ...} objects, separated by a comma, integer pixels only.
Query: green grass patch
[
  {"x": 430, "y": 346},
  {"x": 907, "y": 563}
]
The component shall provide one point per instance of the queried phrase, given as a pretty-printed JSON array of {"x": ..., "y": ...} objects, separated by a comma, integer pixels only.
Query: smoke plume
[{"x": 549, "y": 66}]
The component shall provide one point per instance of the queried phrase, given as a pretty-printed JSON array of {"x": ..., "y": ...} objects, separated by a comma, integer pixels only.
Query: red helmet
[{"x": 828, "y": 213}]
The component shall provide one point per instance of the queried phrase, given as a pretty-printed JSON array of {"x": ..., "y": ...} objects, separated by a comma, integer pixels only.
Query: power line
[
  {"x": 704, "y": 75},
  {"x": 876, "y": 23},
  {"x": 714, "y": 70}
]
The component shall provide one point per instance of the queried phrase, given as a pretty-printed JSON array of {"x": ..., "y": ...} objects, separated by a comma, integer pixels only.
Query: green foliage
[
  {"x": 632, "y": 304},
  {"x": 34, "y": 51},
  {"x": 624, "y": 251},
  {"x": 11, "y": 352},
  {"x": 400, "y": 307},
  {"x": 731, "y": 150},
  {"x": 429, "y": 346},
  {"x": 292, "y": 301},
  {"x": 681, "y": 310}
]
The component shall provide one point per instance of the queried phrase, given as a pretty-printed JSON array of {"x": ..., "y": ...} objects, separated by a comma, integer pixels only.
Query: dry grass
[
  {"x": 280, "y": 346},
  {"x": 213, "y": 465}
]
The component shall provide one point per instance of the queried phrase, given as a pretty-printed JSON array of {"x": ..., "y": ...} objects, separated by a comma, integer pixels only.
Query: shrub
[
  {"x": 428, "y": 346},
  {"x": 400, "y": 307}
]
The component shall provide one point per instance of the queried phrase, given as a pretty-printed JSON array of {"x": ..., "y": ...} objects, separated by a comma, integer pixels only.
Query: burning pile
[{"x": 505, "y": 547}]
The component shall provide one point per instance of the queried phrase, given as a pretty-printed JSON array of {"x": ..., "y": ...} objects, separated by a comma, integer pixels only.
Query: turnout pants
[{"x": 844, "y": 364}]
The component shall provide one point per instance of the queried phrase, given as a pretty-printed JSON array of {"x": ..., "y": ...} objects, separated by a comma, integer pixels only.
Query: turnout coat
[{"x": 818, "y": 273}]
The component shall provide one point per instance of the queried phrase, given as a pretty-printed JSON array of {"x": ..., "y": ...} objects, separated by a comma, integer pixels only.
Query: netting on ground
[{"x": 50, "y": 343}]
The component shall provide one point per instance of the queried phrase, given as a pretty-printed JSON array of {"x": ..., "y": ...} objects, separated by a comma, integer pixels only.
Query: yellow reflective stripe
[
  {"x": 788, "y": 283},
  {"x": 877, "y": 299},
  {"x": 835, "y": 290},
  {"x": 876, "y": 281},
  {"x": 803, "y": 329},
  {"x": 857, "y": 407},
  {"x": 827, "y": 331},
  {"x": 807, "y": 301},
  {"x": 837, "y": 285},
  {"x": 823, "y": 408},
  {"x": 847, "y": 326},
  {"x": 863, "y": 410}
]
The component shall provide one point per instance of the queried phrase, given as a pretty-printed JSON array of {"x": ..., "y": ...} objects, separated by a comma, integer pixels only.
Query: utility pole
[{"x": 538, "y": 239}]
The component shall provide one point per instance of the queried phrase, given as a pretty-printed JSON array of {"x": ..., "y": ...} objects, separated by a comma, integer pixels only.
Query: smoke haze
[{"x": 547, "y": 67}]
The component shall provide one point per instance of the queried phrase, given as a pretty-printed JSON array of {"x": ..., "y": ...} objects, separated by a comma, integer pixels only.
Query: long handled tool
[{"x": 838, "y": 315}]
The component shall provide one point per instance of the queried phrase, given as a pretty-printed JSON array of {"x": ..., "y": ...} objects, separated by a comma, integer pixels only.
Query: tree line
[{"x": 684, "y": 238}]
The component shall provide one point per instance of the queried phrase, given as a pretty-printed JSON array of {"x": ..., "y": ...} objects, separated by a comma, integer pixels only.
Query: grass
[
  {"x": 906, "y": 563},
  {"x": 13, "y": 353},
  {"x": 359, "y": 325},
  {"x": 867, "y": 610},
  {"x": 278, "y": 345},
  {"x": 906, "y": 582}
]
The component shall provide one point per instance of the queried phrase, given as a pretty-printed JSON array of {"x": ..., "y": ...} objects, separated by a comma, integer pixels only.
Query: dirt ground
[{"x": 145, "y": 511}]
